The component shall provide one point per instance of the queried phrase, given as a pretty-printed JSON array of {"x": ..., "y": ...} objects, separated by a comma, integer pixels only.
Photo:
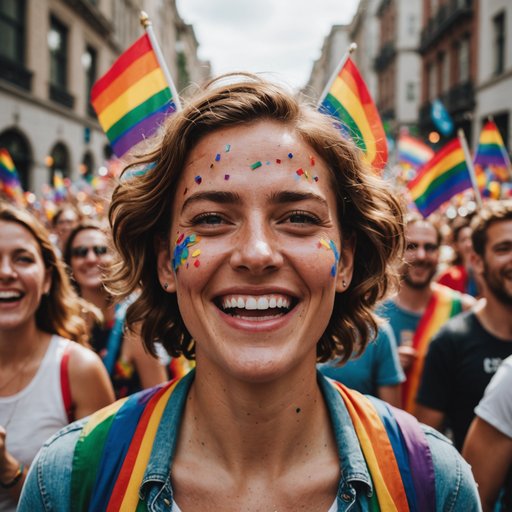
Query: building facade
[
  {"x": 397, "y": 63},
  {"x": 449, "y": 51},
  {"x": 494, "y": 74},
  {"x": 52, "y": 53}
]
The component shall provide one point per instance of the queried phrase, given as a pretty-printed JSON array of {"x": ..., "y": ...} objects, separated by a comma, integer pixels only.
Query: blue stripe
[{"x": 399, "y": 449}]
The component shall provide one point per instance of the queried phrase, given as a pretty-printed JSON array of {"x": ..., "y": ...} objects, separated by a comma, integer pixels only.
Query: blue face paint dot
[
  {"x": 290, "y": 155},
  {"x": 333, "y": 271}
]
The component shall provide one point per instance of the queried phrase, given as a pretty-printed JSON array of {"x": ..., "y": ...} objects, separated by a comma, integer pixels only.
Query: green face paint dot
[
  {"x": 254, "y": 166},
  {"x": 298, "y": 410}
]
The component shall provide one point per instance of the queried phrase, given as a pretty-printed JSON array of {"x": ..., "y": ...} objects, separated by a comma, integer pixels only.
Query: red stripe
[
  {"x": 364, "y": 94},
  {"x": 136, "y": 51},
  {"x": 64, "y": 383}
]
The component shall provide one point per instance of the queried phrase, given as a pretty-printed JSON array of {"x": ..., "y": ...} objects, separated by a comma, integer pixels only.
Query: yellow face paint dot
[{"x": 196, "y": 253}]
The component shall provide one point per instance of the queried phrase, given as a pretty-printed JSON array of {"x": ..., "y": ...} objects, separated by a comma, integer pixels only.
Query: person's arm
[
  {"x": 89, "y": 383},
  {"x": 429, "y": 416},
  {"x": 489, "y": 452},
  {"x": 391, "y": 394},
  {"x": 467, "y": 302},
  {"x": 9, "y": 467}
]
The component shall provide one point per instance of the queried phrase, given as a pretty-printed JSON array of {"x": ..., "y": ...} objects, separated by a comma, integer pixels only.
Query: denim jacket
[{"x": 47, "y": 487}]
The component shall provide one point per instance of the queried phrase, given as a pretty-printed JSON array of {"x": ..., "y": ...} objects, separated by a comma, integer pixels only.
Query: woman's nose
[{"x": 7, "y": 271}]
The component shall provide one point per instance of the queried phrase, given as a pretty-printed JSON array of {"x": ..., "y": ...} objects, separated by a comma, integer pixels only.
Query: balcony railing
[
  {"x": 447, "y": 15},
  {"x": 61, "y": 96},
  {"x": 386, "y": 55},
  {"x": 15, "y": 74}
]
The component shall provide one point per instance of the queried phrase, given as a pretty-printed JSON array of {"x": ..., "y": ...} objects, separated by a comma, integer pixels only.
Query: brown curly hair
[
  {"x": 141, "y": 206},
  {"x": 60, "y": 311}
]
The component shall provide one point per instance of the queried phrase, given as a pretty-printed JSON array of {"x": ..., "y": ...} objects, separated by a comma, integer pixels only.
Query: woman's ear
[
  {"x": 346, "y": 264},
  {"x": 164, "y": 265}
]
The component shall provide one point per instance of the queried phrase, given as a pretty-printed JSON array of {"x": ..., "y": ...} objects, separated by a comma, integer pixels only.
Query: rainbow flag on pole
[
  {"x": 413, "y": 152},
  {"x": 133, "y": 97},
  {"x": 60, "y": 188},
  {"x": 441, "y": 178},
  {"x": 9, "y": 179},
  {"x": 349, "y": 101},
  {"x": 491, "y": 152}
]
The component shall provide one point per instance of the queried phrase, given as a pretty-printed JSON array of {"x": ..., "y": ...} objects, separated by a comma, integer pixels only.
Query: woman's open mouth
[
  {"x": 10, "y": 296},
  {"x": 256, "y": 308}
]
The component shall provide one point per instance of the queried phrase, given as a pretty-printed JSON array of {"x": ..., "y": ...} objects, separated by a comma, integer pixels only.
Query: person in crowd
[
  {"x": 459, "y": 275},
  {"x": 377, "y": 371},
  {"x": 467, "y": 351},
  {"x": 66, "y": 218},
  {"x": 46, "y": 380},
  {"x": 257, "y": 271},
  {"x": 488, "y": 445},
  {"x": 422, "y": 305},
  {"x": 130, "y": 367}
]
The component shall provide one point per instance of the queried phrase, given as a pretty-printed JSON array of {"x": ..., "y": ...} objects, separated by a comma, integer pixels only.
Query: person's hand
[
  {"x": 3, "y": 433},
  {"x": 407, "y": 356},
  {"x": 8, "y": 464}
]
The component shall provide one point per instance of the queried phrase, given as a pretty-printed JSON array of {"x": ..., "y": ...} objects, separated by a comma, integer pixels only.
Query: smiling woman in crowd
[
  {"x": 261, "y": 242},
  {"x": 46, "y": 380}
]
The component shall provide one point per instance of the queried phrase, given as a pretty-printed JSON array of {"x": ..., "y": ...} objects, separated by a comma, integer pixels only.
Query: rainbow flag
[
  {"x": 440, "y": 179},
  {"x": 444, "y": 304},
  {"x": 492, "y": 153},
  {"x": 133, "y": 98},
  {"x": 349, "y": 101},
  {"x": 9, "y": 179},
  {"x": 413, "y": 152},
  {"x": 60, "y": 188}
]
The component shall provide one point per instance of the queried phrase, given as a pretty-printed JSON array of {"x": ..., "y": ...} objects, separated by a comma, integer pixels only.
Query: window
[
  {"x": 445, "y": 79},
  {"x": 12, "y": 29},
  {"x": 499, "y": 43},
  {"x": 89, "y": 59},
  {"x": 57, "y": 43},
  {"x": 432, "y": 82},
  {"x": 88, "y": 162},
  {"x": 411, "y": 91},
  {"x": 60, "y": 158},
  {"x": 464, "y": 61}
]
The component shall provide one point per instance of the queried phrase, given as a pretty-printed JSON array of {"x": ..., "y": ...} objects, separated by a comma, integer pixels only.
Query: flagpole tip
[
  {"x": 144, "y": 19},
  {"x": 352, "y": 47}
]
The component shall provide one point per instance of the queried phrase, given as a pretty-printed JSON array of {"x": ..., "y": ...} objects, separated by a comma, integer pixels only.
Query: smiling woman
[{"x": 261, "y": 242}]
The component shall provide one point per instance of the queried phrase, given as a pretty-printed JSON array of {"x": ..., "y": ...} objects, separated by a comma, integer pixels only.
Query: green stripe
[
  {"x": 139, "y": 113},
  {"x": 439, "y": 181},
  {"x": 456, "y": 305},
  {"x": 347, "y": 119},
  {"x": 86, "y": 462}
]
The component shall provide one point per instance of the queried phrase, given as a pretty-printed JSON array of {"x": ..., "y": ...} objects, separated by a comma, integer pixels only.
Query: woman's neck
[
  {"x": 253, "y": 427},
  {"x": 17, "y": 342},
  {"x": 99, "y": 298}
]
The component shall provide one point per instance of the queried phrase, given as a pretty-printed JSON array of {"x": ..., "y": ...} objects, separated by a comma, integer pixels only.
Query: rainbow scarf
[
  {"x": 115, "y": 445},
  {"x": 444, "y": 304}
]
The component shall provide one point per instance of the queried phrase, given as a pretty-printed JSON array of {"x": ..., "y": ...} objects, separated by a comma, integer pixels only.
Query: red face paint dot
[
  {"x": 196, "y": 263},
  {"x": 278, "y": 161},
  {"x": 312, "y": 160}
]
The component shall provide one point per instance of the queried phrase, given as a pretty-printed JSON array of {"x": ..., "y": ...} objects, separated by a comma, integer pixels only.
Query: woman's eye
[
  {"x": 25, "y": 259},
  {"x": 210, "y": 219},
  {"x": 301, "y": 218}
]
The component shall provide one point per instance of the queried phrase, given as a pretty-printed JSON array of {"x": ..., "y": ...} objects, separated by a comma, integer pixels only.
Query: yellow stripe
[
  {"x": 131, "y": 497},
  {"x": 138, "y": 93},
  {"x": 102, "y": 415},
  {"x": 342, "y": 92},
  {"x": 491, "y": 137},
  {"x": 453, "y": 159}
]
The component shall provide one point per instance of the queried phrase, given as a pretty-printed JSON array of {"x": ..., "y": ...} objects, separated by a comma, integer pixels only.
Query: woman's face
[
  {"x": 260, "y": 293},
  {"x": 23, "y": 276},
  {"x": 89, "y": 257},
  {"x": 66, "y": 222}
]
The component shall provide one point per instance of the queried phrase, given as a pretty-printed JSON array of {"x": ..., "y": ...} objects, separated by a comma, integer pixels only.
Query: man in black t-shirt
[{"x": 467, "y": 350}]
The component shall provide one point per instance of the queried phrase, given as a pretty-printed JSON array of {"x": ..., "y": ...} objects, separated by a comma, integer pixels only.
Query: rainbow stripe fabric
[
  {"x": 440, "y": 179},
  {"x": 60, "y": 188},
  {"x": 349, "y": 101},
  {"x": 133, "y": 98},
  {"x": 492, "y": 153},
  {"x": 444, "y": 304},
  {"x": 413, "y": 152},
  {"x": 9, "y": 180}
]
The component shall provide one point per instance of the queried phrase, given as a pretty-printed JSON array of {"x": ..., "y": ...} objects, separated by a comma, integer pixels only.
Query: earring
[
  {"x": 166, "y": 285},
  {"x": 344, "y": 284}
]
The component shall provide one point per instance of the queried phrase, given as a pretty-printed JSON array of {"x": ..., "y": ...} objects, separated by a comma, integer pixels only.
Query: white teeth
[
  {"x": 9, "y": 295},
  {"x": 259, "y": 318},
  {"x": 251, "y": 304},
  {"x": 240, "y": 302},
  {"x": 272, "y": 303},
  {"x": 280, "y": 303},
  {"x": 262, "y": 303},
  {"x": 233, "y": 303},
  {"x": 285, "y": 304}
]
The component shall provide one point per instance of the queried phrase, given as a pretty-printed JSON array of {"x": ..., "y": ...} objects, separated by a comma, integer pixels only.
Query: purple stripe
[
  {"x": 490, "y": 160},
  {"x": 445, "y": 196},
  {"x": 143, "y": 130},
  {"x": 420, "y": 459}
]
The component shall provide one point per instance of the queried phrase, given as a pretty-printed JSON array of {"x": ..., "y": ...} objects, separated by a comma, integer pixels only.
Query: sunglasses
[{"x": 81, "y": 251}]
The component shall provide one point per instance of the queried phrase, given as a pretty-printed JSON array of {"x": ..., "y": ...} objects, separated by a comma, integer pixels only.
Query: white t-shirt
[
  {"x": 334, "y": 507},
  {"x": 496, "y": 405},
  {"x": 35, "y": 413}
]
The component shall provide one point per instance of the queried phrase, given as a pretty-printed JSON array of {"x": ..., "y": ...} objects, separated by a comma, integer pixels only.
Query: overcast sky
[{"x": 282, "y": 37}]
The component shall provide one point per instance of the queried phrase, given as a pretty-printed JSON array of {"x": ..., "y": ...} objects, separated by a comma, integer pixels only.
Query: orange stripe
[
  {"x": 130, "y": 76},
  {"x": 350, "y": 81}
]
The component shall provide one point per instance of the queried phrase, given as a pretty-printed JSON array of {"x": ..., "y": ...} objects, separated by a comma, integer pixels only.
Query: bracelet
[{"x": 15, "y": 480}]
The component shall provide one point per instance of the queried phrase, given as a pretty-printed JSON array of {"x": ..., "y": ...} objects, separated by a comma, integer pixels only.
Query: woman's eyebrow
[
  {"x": 288, "y": 196},
  {"x": 214, "y": 196}
]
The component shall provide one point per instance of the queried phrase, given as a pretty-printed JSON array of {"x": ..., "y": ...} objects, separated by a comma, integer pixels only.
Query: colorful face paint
[
  {"x": 332, "y": 247},
  {"x": 181, "y": 251},
  {"x": 226, "y": 177},
  {"x": 228, "y": 147},
  {"x": 256, "y": 165},
  {"x": 290, "y": 155},
  {"x": 198, "y": 180},
  {"x": 217, "y": 158}
]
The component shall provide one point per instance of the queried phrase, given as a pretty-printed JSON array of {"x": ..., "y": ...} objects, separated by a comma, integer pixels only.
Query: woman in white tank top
[{"x": 46, "y": 380}]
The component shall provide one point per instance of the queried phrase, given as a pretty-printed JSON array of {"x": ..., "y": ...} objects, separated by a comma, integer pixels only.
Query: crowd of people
[{"x": 258, "y": 330}]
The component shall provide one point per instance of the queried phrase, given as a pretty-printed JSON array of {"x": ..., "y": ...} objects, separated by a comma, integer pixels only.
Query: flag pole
[
  {"x": 148, "y": 26},
  {"x": 336, "y": 72},
  {"x": 469, "y": 163}
]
